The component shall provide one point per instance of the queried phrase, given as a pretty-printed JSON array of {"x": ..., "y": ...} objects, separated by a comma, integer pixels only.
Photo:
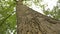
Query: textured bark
[{"x": 32, "y": 22}]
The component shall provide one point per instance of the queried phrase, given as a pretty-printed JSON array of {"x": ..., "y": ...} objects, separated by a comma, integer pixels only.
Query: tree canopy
[
  {"x": 7, "y": 16},
  {"x": 8, "y": 13}
]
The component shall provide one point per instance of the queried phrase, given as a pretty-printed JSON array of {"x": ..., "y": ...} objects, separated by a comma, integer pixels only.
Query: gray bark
[{"x": 32, "y": 22}]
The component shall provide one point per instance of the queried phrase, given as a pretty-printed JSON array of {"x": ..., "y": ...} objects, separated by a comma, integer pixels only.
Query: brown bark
[{"x": 32, "y": 22}]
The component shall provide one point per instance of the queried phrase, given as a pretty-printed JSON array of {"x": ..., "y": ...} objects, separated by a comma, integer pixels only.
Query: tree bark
[{"x": 32, "y": 22}]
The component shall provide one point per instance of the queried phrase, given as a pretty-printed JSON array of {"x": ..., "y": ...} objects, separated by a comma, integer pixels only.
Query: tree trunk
[{"x": 32, "y": 22}]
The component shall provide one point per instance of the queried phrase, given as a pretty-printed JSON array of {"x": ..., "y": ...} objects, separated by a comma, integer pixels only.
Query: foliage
[
  {"x": 55, "y": 13},
  {"x": 7, "y": 16}
]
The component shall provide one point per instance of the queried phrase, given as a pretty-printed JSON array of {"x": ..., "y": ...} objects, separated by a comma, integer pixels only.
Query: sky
[{"x": 50, "y": 3}]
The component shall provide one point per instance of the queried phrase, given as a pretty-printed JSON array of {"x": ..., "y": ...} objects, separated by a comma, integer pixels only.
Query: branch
[{"x": 6, "y": 19}]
